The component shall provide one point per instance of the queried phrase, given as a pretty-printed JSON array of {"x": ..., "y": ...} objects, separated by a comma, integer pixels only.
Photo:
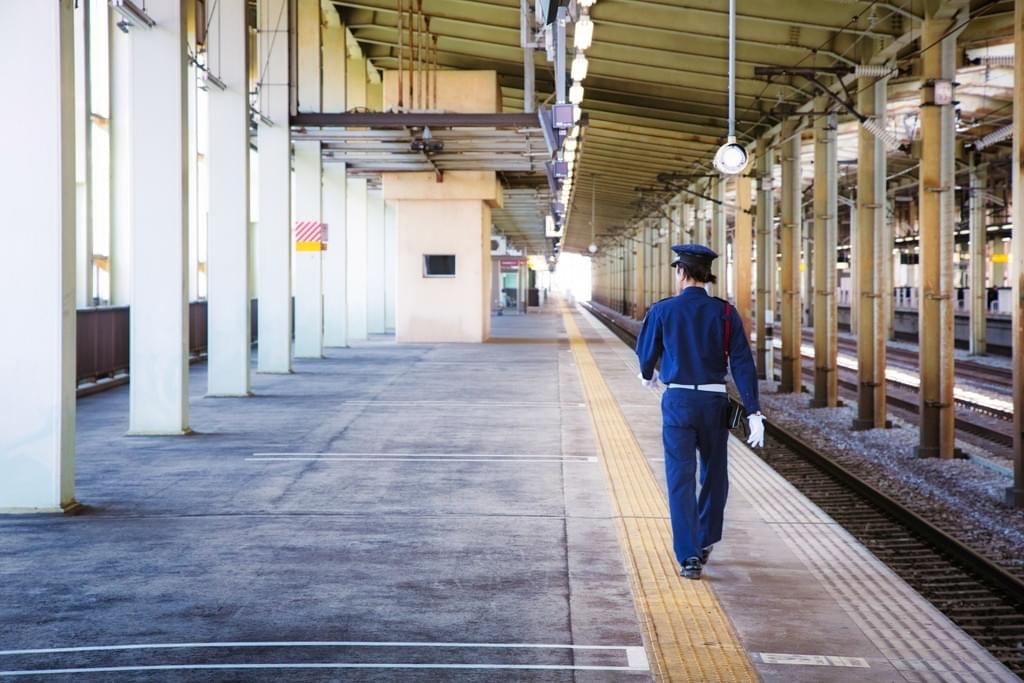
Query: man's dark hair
[{"x": 697, "y": 271}]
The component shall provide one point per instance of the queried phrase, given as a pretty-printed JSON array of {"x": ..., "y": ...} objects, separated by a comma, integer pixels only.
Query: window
[{"x": 439, "y": 265}]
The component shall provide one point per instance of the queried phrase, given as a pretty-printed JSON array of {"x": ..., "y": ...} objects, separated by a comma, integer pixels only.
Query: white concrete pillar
[
  {"x": 37, "y": 423},
  {"x": 83, "y": 157},
  {"x": 120, "y": 163},
  {"x": 308, "y": 264},
  {"x": 356, "y": 254},
  {"x": 274, "y": 230},
  {"x": 390, "y": 263},
  {"x": 192, "y": 157},
  {"x": 334, "y": 189},
  {"x": 159, "y": 288},
  {"x": 228, "y": 235},
  {"x": 376, "y": 315}
]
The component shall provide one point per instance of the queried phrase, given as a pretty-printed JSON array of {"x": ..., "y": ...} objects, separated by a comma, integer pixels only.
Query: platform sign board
[{"x": 510, "y": 264}]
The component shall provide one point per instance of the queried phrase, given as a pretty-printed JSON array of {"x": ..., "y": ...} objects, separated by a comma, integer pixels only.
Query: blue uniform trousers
[{"x": 694, "y": 420}]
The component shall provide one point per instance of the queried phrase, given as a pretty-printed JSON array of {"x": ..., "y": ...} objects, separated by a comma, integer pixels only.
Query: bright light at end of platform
[{"x": 572, "y": 277}]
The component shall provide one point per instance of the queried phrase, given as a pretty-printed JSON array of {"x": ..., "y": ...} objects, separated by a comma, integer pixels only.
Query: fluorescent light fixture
[
  {"x": 576, "y": 93},
  {"x": 577, "y": 112},
  {"x": 590, "y": 3},
  {"x": 579, "y": 66},
  {"x": 132, "y": 13},
  {"x": 584, "y": 33},
  {"x": 214, "y": 81},
  {"x": 570, "y": 144},
  {"x": 731, "y": 158},
  {"x": 592, "y": 248}
]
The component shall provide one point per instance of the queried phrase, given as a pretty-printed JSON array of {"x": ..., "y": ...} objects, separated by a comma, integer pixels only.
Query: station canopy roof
[{"x": 656, "y": 89}]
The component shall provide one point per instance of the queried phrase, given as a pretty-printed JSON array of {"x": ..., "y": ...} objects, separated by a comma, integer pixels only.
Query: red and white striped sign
[{"x": 310, "y": 231}]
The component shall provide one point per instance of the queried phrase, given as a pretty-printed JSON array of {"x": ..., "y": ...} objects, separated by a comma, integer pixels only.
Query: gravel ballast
[{"x": 960, "y": 496}]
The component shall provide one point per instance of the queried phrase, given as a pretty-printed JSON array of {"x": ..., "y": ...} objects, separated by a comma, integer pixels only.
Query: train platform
[{"x": 426, "y": 512}]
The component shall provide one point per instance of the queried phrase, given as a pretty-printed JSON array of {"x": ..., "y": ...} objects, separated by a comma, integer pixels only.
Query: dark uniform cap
[{"x": 693, "y": 253}]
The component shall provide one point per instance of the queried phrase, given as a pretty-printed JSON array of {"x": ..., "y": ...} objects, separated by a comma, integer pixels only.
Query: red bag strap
[{"x": 728, "y": 330}]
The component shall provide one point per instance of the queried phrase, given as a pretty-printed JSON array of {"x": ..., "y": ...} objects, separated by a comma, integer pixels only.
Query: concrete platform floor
[
  {"x": 388, "y": 494},
  {"x": 423, "y": 505}
]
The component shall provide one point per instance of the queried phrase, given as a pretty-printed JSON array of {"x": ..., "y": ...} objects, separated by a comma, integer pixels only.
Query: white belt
[{"x": 717, "y": 388}]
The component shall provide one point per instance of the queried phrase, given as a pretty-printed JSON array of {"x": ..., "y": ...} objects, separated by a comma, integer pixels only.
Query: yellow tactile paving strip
[{"x": 688, "y": 636}]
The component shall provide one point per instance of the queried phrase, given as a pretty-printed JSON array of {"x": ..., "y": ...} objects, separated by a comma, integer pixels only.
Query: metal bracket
[
  {"x": 936, "y": 404},
  {"x": 942, "y": 188},
  {"x": 936, "y": 297}
]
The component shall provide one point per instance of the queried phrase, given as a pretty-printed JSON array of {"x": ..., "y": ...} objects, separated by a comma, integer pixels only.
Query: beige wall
[
  {"x": 443, "y": 309},
  {"x": 466, "y": 92}
]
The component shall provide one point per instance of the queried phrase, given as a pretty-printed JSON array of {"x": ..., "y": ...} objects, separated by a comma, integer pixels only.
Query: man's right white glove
[
  {"x": 651, "y": 383},
  {"x": 756, "y": 438}
]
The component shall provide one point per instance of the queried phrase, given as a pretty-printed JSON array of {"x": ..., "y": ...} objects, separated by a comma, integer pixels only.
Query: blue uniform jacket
[{"x": 685, "y": 333}]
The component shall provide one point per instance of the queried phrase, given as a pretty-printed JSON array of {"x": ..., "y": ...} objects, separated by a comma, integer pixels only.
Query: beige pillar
[
  {"x": 869, "y": 269},
  {"x": 742, "y": 250},
  {"x": 765, "y": 313},
  {"x": 978, "y": 220},
  {"x": 1015, "y": 494},
  {"x": 937, "y": 223}
]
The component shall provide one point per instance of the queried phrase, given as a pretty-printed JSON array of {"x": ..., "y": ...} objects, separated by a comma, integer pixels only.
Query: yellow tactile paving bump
[{"x": 688, "y": 636}]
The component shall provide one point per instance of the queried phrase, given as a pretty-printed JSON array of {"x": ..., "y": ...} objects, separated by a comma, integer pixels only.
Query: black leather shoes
[
  {"x": 705, "y": 554},
  {"x": 691, "y": 568}
]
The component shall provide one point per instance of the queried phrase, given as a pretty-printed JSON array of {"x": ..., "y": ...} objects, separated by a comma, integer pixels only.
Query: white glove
[
  {"x": 756, "y": 438},
  {"x": 649, "y": 383}
]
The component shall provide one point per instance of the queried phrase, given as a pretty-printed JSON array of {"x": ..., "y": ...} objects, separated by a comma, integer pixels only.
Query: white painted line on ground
[
  {"x": 489, "y": 404},
  {"x": 314, "y": 643},
  {"x": 314, "y": 665},
  {"x": 504, "y": 461},
  {"x": 813, "y": 660},
  {"x": 419, "y": 457}
]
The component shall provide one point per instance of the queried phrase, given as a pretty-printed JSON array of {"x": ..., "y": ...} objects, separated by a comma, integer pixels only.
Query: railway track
[
  {"x": 908, "y": 360},
  {"x": 908, "y": 409},
  {"x": 982, "y": 598}
]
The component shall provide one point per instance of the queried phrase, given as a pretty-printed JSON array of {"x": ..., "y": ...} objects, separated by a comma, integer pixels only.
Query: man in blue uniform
[{"x": 696, "y": 336}]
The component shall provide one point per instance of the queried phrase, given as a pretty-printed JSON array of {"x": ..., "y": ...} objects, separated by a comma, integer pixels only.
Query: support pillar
[
  {"x": 869, "y": 267},
  {"x": 120, "y": 163},
  {"x": 390, "y": 264},
  {"x": 308, "y": 263},
  {"x": 335, "y": 259},
  {"x": 718, "y": 237},
  {"x": 1015, "y": 493},
  {"x": 158, "y": 402},
  {"x": 791, "y": 225},
  {"x": 83, "y": 156},
  {"x": 639, "y": 263},
  {"x": 376, "y": 313},
  {"x": 978, "y": 220},
  {"x": 854, "y": 301},
  {"x": 274, "y": 230},
  {"x": 355, "y": 247},
  {"x": 826, "y": 230},
  {"x": 937, "y": 225},
  {"x": 37, "y": 424},
  {"x": 742, "y": 250},
  {"x": 764, "y": 322},
  {"x": 228, "y": 233},
  {"x": 335, "y": 78}
]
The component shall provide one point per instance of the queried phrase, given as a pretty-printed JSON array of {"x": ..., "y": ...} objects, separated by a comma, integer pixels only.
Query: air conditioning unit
[{"x": 499, "y": 245}]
